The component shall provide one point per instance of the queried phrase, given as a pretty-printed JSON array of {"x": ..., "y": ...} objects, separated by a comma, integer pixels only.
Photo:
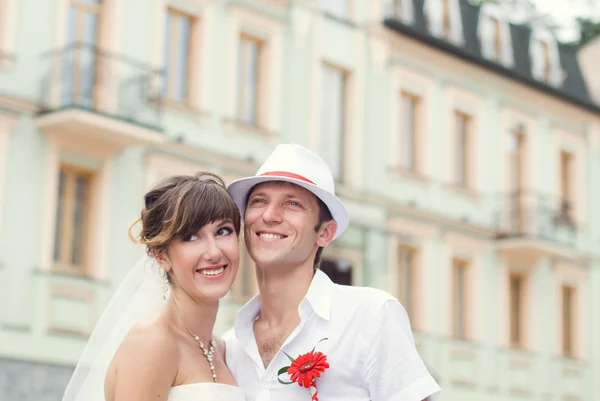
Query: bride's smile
[{"x": 204, "y": 265}]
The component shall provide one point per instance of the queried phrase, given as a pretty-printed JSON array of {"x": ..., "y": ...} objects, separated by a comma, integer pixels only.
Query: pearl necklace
[{"x": 207, "y": 353}]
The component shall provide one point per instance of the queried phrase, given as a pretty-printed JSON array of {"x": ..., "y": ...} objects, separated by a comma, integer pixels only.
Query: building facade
[{"x": 466, "y": 149}]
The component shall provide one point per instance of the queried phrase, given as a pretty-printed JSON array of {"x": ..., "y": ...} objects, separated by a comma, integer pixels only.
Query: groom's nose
[{"x": 273, "y": 213}]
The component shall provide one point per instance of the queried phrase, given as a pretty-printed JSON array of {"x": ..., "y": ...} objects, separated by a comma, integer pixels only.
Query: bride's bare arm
[{"x": 147, "y": 365}]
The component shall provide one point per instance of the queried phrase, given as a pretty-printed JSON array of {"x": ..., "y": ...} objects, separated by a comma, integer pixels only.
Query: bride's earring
[{"x": 165, "y": 286}]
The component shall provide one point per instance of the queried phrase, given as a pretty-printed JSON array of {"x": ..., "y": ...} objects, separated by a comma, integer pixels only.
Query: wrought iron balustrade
[
  {"x": 532, "y": 214},
  {"x": 86, "y": 77}
]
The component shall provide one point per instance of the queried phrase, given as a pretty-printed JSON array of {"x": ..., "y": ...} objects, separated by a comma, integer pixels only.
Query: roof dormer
[
  {"x": 401, "y": 10},
  {"x": 544, "y": 57},
  {"x": 494, "y": 35},
  {"x": 444, "y": 20}
]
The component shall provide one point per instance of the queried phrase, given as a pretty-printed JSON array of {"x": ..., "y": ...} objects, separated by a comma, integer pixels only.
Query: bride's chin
[{"x": 216, "y": 294}]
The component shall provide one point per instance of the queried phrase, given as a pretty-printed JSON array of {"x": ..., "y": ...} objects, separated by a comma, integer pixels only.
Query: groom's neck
[{"x": 281, "y": 292}]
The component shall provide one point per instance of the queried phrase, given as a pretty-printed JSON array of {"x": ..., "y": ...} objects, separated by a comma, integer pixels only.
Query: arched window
[
  {"x": 494, "y": 35},
  {"x": 399, "y": 9},
  {"x": 444, "y": 20},
  {"x": 544, "y": 57}
]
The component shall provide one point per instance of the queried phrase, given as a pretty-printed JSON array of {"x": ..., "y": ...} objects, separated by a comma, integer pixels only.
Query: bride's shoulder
[
  {"x": 154, "y": 334},
  {"x": 147, "y": 354}
]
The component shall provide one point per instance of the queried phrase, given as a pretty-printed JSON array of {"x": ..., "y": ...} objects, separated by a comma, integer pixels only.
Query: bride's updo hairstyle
[{"x": 179, "y": 206}]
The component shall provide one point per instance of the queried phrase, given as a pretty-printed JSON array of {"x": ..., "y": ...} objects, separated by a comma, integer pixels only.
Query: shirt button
[{"x": 264, "y": 385}]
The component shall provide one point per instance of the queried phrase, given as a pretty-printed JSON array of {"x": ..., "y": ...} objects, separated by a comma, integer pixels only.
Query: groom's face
[{"x": 280, "y": 225}]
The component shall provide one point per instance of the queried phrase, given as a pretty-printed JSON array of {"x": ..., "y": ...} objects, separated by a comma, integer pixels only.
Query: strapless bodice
[{"x": 206, "y": 392}]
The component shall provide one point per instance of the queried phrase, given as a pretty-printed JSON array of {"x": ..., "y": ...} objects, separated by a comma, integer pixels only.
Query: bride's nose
[{"x": 212, "y": 252}]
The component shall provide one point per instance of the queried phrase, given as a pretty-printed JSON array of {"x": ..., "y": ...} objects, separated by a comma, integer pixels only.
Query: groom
[{"x": 361, "y": 337}]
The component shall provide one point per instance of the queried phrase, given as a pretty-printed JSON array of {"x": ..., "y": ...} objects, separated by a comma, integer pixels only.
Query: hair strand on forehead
[{"x": 180, "y": 206}]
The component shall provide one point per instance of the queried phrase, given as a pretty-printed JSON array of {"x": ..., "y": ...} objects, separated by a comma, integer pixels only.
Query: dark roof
[{"x": 573, "y": 88}]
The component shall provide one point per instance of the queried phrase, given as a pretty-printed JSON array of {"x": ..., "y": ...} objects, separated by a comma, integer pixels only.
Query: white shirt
[{"x": 369, "y": 348}]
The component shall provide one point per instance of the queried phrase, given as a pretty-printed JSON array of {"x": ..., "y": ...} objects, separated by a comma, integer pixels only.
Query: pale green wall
[{"x": 20, "y": 243}]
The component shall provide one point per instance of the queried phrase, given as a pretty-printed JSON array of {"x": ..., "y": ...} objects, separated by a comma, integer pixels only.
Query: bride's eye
[
  {"x": 223, "y": 231},
  {"x": 189, "y": 238}
]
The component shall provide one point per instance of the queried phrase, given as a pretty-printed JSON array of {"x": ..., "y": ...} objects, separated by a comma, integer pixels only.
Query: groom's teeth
[
  {"x": 271, "y": 236},
  {"x": 212, "y": 272}
]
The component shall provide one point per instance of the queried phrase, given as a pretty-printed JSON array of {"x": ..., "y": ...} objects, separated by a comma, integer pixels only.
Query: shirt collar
[
  {"x": 319, "y": 296},
  {"x": 320, "y": 293}
]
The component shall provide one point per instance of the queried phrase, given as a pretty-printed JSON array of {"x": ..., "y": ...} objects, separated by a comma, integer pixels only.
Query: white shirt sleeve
[{"x": 393, "y": 368}]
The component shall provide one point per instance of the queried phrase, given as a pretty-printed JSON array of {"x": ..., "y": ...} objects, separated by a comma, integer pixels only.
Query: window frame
[
  {"x": 339, "y": 173},
  {"x": 516, "y": 324},
  {"x": 399, "y": 10},
  {"x": 416, "y": 117},
  {"x": 568, "y": 320},
  {"x": 463, "y": 168},
  {"x": 260, "y": 84},
  {"x": 407, "y": 279},
  {"x": 460, "y": 330},
  {"x": 444, "y": 20},
  {"x": 544, "y": 58},
  {"x": 172, "y": 37},
  {"x": 494, "y": 35},
  {"x": 63, "y": 262}
]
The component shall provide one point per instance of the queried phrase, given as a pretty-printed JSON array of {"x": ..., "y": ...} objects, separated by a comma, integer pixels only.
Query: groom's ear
[{"x": 326, "y": 233}]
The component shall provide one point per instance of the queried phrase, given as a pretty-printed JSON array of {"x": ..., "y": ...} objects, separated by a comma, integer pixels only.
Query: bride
[{"x": 154, "y": 340}]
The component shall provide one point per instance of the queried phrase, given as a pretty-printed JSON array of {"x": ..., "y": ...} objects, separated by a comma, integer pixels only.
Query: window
[
  {"x": 72, "y": 218},
  {"x": 544, "y": 58},
  {"x": 399, "y": 9},
  {"x": 409, "y": 128},
  {"x": 407, "y": 284},
  {"x": 494, "y": 34},
  {"x": 255, "y": 71},
  {"x": 516, "y": 301},
  {"x": 79, "y": 67},
  {"x": 338, "y": 270},
  {"x": 516, "y": 159},
  {"x": 547, "y": 65},
  {"x": 336, "y": 8},
  {"x": 84, "y": 17},
  {"x": 568, "y": 320},
  {"x": 393, "y": 8},
  {"x": 177, "y": 60},
  {"x": 249, "y": 79},
  {"x": 516, "y": 163},
  {"x": 566, "y": 179},
  {"x": 463, "y": 148},
  {"x": 446, "y": 20},
  {"x": 459, "y": 299},
  {"x": 497, "y": 38},
  {"x": 332, "y": 118}
]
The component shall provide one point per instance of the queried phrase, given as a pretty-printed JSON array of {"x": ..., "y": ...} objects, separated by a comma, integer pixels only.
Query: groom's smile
[{"x": 270, "y": 236}]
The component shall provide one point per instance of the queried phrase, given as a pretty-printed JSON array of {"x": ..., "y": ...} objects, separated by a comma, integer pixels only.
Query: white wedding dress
[
  {"x": 207, "y": 391},
  {"x": 139, "y": 296}
]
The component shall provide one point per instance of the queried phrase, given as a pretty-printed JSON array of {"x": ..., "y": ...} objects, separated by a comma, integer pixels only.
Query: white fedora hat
[{"x": 298, "y": 165}]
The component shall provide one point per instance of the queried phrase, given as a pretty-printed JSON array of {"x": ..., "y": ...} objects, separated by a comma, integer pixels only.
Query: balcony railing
[
  {"x": 531, "y": 214},
  {"x": 85, "y": 77}
]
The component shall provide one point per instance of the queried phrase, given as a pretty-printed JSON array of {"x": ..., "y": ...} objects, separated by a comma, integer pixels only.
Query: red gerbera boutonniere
[{"x": 305, "y": 369}]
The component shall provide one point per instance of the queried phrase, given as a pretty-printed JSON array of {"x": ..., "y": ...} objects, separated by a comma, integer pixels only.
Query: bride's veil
[{"x": 139, "y": 296}]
